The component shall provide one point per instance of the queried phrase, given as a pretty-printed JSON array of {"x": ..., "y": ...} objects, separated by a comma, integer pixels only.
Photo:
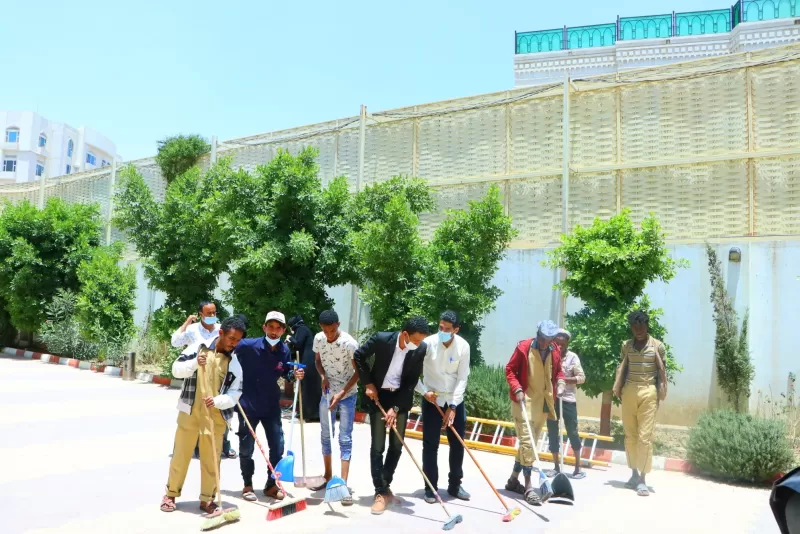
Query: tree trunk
[{"x": 605, "y": 414}]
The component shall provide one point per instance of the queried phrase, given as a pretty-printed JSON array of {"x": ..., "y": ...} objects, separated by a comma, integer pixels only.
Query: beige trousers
[
  {"x": 538, "y": 418},
  {"x": 639, "y": 406},
  {"x": 186, "y": 437}
]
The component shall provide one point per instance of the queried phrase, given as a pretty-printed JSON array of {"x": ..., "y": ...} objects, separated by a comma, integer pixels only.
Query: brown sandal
[
  {"x": 168, "y": 504},
  {"x": 515, "y": 485},
  {"x": 209, "y": 507}
]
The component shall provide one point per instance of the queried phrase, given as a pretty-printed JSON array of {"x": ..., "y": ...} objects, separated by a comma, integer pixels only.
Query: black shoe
[
  {"x": 459, "y": 493},
  {"x": 430, "y": 498}
]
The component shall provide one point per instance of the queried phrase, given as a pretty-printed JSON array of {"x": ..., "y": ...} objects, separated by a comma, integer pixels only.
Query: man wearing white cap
[
  {"x": 534, "y": 377},
  {"x": 264, "y": 360}
]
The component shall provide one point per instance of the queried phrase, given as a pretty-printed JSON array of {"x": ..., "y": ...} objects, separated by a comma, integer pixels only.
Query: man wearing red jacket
[{"x": 534, "y": 377}]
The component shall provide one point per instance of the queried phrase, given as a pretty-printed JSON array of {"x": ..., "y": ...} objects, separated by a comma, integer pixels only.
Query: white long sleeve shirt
[
  {"x": 445, "y": 370},
  {"x": 194, "y": 334},
  {"x": 571, "y": 365}
]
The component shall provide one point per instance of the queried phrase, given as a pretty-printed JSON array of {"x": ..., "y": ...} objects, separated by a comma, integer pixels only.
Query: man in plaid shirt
[{"x": 211, "y": 389}]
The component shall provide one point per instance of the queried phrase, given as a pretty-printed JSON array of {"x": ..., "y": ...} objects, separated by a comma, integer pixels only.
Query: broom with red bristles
[{"x": 287, "y": 506}]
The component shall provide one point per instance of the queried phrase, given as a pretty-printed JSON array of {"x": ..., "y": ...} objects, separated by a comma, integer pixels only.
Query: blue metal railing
[{"x": 655, "y": 26}]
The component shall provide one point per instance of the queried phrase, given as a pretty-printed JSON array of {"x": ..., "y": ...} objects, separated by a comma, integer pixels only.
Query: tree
[
  {"x": 735, "y": 369},
  {"x": 40, "y": 251},
  {"x": 179, "y": 153},
  {"x": 403, "y": 276},
  {"x": 608, "y": 266},
  {"x": 175, "y": 239},
  {"x": 107, "y": 297}
]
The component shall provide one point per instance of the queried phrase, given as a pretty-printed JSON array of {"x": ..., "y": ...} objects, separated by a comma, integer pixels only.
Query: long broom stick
[
  {"x": 510, "y": 514},
  {"x": 452, "y": 520},
  {"x": 302, "y": 484}
]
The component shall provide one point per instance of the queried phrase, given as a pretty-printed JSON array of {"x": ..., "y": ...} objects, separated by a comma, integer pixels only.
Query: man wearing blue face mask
[
  {"x": 264, "y": 360},
  {"x": 443, "y": 383}
]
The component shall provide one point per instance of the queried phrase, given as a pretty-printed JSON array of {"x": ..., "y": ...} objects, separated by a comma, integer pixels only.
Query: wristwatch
[
  {"x": 453, "y": 407},
  {"x": 396, "y": 409}
]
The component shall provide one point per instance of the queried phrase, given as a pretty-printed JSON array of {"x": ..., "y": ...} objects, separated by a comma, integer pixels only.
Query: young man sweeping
[
  {"x": 534, "y": 377},
  {"x": 264, "y": 360},
  {"x": 334, "y": 351},
  {"x": 641, "y": 383},
  {"x": 573, "y": 375},
  {"x": 390, "y": 381},
  {"x": 445, "y": 373},
  {"x": 222, "y": 371}
]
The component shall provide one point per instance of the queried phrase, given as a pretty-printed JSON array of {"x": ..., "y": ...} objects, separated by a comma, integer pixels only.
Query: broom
[
  {"x": 336, "y": 488},
  {"x": 452, "y": 520},
  {"x": 510, "y": 514},
  {"x": 220, "y": 516},
  {"x": 545, "y": 491},
  {"x": 285, "y": 507}
]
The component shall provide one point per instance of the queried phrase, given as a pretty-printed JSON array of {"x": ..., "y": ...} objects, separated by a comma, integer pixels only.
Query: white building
[
  {"x": 32, "y": 146},
  {"x": 545, "y": 56}
]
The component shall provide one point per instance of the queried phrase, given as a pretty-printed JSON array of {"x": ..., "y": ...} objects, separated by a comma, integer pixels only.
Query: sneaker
[
  {"x": 430, "y": 498},
  {"x": 379, "y": 506},
  {"x": 275, "y": 493},
  {"x": 459, "y": 493}
]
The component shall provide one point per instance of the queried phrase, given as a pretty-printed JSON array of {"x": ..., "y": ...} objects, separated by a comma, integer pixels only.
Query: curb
[{"x": 616, "y": 457}]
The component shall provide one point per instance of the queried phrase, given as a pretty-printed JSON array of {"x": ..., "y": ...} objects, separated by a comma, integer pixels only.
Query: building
[
  {"x": 545, "y": 56},
  {"x": 32, "y": 146}
]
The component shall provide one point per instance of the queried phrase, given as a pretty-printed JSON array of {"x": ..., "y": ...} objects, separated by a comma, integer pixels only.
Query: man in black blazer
[{"x": 391, "y": 381}]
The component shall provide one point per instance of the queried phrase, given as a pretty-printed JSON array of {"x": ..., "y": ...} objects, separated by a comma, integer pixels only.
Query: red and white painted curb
[{"x": 616, "y": 457}]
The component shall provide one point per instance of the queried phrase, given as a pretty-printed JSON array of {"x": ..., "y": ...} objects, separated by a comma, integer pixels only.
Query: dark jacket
[
  {"x": 261, "y": 368},
  {"x": 382, "y": 346},
  {"x": 302, "y": 341}
]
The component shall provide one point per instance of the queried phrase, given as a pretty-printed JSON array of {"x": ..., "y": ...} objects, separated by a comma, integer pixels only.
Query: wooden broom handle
[
  {"x": 203, "y": 376},
  {"x": 302, "y": 431}
]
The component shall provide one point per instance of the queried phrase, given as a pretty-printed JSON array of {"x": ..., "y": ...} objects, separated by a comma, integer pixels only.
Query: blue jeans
[
  {"x": 274, "y": 431},
  {"x": 347, "y": 416}
]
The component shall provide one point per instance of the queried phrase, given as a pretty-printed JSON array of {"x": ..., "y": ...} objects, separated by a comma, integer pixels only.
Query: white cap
[{"x": 275, "y": 316}]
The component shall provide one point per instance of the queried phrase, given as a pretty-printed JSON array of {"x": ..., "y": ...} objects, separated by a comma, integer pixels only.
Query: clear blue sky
[{"x": 141, "y": 71}]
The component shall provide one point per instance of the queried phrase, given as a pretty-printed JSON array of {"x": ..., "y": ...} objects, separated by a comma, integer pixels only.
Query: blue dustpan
[{"x": 285, "y": 467}]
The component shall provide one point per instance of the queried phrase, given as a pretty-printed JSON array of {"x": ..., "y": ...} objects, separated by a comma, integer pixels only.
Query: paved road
[{"x": 84, "y": 453}]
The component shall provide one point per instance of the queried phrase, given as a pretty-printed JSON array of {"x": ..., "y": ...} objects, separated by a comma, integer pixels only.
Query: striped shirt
[{"x": 642, "y": 366}]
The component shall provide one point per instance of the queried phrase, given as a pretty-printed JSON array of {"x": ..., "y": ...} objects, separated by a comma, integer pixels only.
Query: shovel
[
  {"x": 544, "y": 491},
  {"x": 561, "y": 486}
]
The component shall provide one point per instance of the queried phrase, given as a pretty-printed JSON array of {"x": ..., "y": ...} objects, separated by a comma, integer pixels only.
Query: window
[
  {"x": 91, "y": 159},
  {"x": 42, "y": 140},
  {"x": 70, "y": 146},
  {"x": 39, "y": 168},
  {"x": 10, "y": 164},
  {"x": 69, "y": 169},
  {"x": 12, "y": 135}
]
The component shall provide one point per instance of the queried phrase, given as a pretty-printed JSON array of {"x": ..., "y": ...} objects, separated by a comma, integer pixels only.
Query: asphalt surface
[{"x": 83, "y": 452}]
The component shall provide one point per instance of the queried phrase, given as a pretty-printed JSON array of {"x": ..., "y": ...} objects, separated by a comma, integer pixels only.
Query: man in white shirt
[
  {"x": 204, "y": 330},
  {"x": 334, "y": 352},
  {"x": 445, "y": 372},
  {"x": 573, "y": 376}
]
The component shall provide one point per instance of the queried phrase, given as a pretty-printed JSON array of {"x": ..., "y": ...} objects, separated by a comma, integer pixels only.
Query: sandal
[
  {"x": 320, "y": 487},
  {"x": 231, "y": 454},
  {"x": 577, "y": 476},
  {"x": 642, "y": 490},
  {"x": 168, "y": 504},
  {"x": 249, "y": 495},
  {"x": 551, "y": 473},
  {"x": 532, "y": 498},
  {"x": 209, "y": 507},
  {"x": 348, "y": 501},
  {"x": 515, "y": 485}
]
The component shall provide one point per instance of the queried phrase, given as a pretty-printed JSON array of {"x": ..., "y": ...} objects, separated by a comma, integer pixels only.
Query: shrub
[
  {"x": 179, "y": 153},
  {"x": 487, "y": 395},
  {"x": 739, "y": 447},
  {"x": 61, "y": 334}
]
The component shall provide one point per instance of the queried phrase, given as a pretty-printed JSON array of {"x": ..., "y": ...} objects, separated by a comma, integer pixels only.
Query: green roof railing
[{"x": 654, "y": 26}]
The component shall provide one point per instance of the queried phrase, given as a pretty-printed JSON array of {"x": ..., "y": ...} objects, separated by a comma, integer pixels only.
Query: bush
[
  {"x": 61, "y": 333},
  {"x": 487, "y": 395},
  {"x": 739, "y": 447},
  {"x": 178, "y": 154}
]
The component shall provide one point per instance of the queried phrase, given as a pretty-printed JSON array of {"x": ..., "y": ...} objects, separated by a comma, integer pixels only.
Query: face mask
[
  {"x": 210, "y": 320},
  {"x": 412, "y": 346},
  {"x": 273, "y": 342},
  {"x": 445, "y": 337}
]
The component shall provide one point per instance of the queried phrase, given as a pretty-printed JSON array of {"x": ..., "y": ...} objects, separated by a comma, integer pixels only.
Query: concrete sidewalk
[{"x": 86, "y": 452}]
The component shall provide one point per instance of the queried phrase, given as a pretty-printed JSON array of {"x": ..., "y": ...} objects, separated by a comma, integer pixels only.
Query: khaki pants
[
  {"x": 639, "y": 405},
  {"x": 186, "y": 437},
  {"x": 538, "y": 417}
]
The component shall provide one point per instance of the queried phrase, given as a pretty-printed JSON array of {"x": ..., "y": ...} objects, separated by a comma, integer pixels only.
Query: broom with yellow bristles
[{"x": 220, "y": 516}]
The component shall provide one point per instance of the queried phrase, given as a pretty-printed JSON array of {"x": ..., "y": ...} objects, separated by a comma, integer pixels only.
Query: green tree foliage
[
  {"x": 40, "y": 251},
  {"x": 608, "y": 266},
  {"x": 61, "y": 334},
  {"x": 175, "y": 239},
  {"x": 739, "y": 447},
  {"x": 179, "y": 153},
  {"x": 735, "y": 369},
  {"x": 107, "y": 297},
  {"x": 403, "y": 276}
]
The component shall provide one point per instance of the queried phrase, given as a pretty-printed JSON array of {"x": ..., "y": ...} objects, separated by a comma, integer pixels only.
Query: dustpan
[
  {"x": 561, "y": 486},
  {"x": 285, "y": 467}
]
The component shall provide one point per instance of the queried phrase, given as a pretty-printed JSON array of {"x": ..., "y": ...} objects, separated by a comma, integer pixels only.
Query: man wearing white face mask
[
  {"x": 203, "y": 331},
  {"x": 445, "y": 372}
]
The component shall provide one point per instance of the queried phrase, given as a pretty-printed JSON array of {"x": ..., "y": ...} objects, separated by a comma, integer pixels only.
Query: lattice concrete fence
[{"x": 711, "y": 146}]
